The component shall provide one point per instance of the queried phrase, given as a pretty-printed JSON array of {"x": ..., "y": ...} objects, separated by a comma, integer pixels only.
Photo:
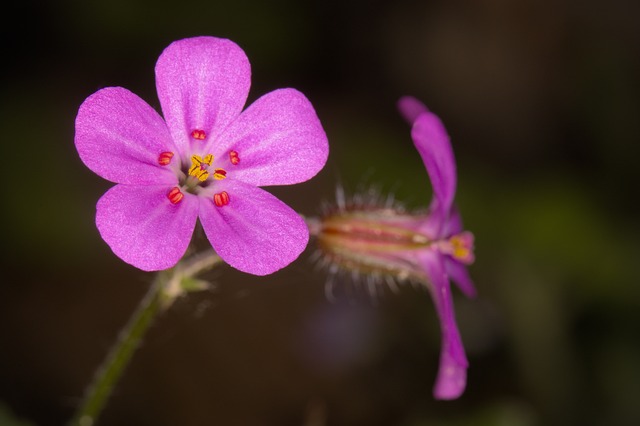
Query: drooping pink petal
[
  {"x": 202, "y": 83},
  {"x": 278, "y": 139},
  {"x": 255, "y": 232},
  {"x": 433, "y": 224},
  {"x": 452, "y": 373},
  {"x": 432, "y": 141},
  {"x": 120, "y": 137},
  {"x": 454, "y": 223},
  {"x": 460, "y": 275},
  {"x": 143, "y": 227},
  {"x": 410, "y": 108}
]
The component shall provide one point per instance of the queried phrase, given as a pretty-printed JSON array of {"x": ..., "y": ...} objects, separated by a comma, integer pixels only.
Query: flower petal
[
  {"x": 431, "y": 140},
  {"x": 460, "y": 275},
  {"x": 410, "y": 108},
  {"x": 255, "y": 232},
  {"x": 120, "y": 137},
  {"x": 454, "y": 224},
  {"x": 452, "y": 373},
  {"x": 279, "y": 140},
  {"x": 143, "y": 227},
  {"x": 202, "y": 83}
]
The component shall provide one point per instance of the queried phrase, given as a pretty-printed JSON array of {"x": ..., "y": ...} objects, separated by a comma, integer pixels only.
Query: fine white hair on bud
[
  {"x": 352, "y": 284},
  {"x": 357, "y": 240},
  {"x": 370, "y": 197}
]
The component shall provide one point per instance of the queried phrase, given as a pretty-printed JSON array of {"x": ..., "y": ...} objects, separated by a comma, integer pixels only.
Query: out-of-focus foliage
[{"x": 8, "y": 419}]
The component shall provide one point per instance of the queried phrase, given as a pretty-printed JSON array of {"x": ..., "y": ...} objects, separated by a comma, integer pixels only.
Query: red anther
[
  {"x": 220, "y": 174},
  {"x": 233, "y": 156},
  {"x": 221, "y": 199},
  {"x": 175, "y": 195},
  {"x": 198, "y": 134},
  {"x": 165, "y": 158}
]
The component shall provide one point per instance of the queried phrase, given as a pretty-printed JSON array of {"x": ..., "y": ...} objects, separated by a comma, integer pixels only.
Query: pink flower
[
  {"x": 453, "y": 247},
  {"x": 430, "y": 247},
  {"x": 206, "y": 159}
]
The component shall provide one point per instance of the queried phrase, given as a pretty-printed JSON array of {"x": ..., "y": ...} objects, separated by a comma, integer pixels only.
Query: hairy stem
[{"x": 167, "y": 286}]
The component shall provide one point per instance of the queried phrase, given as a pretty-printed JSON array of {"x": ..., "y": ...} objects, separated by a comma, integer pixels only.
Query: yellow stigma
[{"x": 199, "y": 166}]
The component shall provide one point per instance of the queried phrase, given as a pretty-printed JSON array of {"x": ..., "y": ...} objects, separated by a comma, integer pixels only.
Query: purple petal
[
  {"x": 434, "y": 223},
  {"x": 143, "y": 227},
  {"x": 255, "y": 232},
  {"x": 460, "y": 275},
  {"x": 432, "y": 142},
  {"x": 202, "y": 83},
  {"x": 120, "y": 137},
  {"x": 454, "y": 224},
  {"x": 452, "y": 373},
  {"x": 279, "y": 140},
  {"x": 410, "y": 108}
]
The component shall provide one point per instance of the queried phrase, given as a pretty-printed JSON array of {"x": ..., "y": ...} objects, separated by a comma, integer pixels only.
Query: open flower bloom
[
  {"x": 206, "y": 159},
  {"x": 430, "y": 247}
]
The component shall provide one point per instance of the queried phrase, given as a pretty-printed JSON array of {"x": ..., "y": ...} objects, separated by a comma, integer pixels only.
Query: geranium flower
[
  {"x": 206, "y": 159},
  {"x": 451, "y": 248},
  {"x": 430, "y": 247}
]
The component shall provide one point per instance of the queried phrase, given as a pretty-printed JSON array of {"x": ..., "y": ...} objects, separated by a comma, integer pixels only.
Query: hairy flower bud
[{"x": 371, "y": 242}]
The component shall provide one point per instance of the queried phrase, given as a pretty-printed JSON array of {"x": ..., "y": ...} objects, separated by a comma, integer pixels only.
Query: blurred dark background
[{"x": 542, "y": 101}]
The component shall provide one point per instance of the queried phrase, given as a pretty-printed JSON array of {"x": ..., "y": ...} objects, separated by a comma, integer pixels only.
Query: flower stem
[{"x": 166, "y": 288}]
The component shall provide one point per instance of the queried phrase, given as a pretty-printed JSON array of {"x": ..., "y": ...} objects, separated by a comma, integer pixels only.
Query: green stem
[{"x": 166, "y": 287}]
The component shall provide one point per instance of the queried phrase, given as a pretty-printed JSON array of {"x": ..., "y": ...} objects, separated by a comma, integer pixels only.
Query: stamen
[
  {"x": 199, "y": 166},
  {"x": 219, "y": 174},
  {"x": 460, "y": 247},
  {"x": 233, "y": 157},
  {"x": 198, "y": 134},
  {"x": 165, "y": 158},
  {"x": 221, "y": 199},
  {"x": 175, "y": 195}
]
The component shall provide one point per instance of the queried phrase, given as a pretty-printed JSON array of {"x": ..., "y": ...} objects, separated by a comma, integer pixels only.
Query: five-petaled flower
[
  {"x": 430, "y": 247},
  {"x": 205, "y": 159}
]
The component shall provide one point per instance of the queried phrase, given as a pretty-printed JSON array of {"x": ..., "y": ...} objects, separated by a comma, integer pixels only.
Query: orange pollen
[
  {"x": 221, "y": 199},
  {"x": 175, "y": 195},
  {"x": 198, "y": 134},
  {"x": 233, "y": 156},
  {"x": 220, "y": 174},
  {"x": 165, "y": 158}
]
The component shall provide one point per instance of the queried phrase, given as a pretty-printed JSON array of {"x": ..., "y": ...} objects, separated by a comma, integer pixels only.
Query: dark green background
[{"x": 542, "y": 101}]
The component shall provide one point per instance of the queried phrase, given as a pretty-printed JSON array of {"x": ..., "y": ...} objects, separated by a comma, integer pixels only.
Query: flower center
[
  {"x": 197, "y": 175},
  {"x": 194, "y": 179},
  {"x": 200, "y": 168},
  {"x": 459, "y": 246}
]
